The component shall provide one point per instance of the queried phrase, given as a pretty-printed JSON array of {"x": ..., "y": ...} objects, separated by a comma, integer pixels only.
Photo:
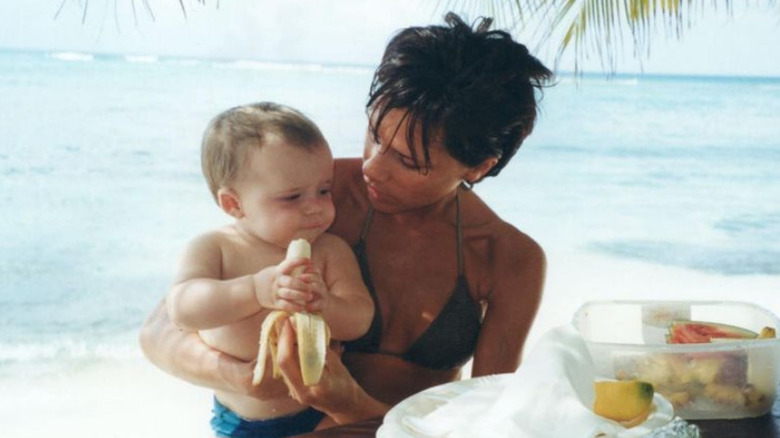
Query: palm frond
[{"x": 604, "y": 28}]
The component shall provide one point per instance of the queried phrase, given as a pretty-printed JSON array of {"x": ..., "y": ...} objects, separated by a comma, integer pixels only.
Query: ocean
[{"x": 101, "y": 186}]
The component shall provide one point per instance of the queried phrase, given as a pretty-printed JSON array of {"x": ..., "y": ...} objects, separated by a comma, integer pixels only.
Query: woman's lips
[{"x": 373, "y": 193}]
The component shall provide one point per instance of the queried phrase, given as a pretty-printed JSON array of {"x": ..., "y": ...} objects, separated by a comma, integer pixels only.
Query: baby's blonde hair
[{"x": 232, "y": 133}]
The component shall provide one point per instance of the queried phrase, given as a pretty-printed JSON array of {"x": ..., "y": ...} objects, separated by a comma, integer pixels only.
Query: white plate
[{"x": 395, "y": 424}]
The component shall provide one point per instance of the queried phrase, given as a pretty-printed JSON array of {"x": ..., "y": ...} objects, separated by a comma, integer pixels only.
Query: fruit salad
[{"x": 705, "y": 380}]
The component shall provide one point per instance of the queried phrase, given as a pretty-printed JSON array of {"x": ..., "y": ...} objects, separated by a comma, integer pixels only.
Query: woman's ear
[
  {"x": 230, "y": 202},
  {"x": 476, "y": 173}
]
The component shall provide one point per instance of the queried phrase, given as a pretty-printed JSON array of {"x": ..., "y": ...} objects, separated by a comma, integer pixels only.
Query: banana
[
  {"x": 313, "y": 334},
  {"x": 313, "y": 338}
]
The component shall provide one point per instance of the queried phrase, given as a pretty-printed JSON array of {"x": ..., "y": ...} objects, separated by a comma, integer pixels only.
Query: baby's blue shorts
[{"x": 226, "y": 423}]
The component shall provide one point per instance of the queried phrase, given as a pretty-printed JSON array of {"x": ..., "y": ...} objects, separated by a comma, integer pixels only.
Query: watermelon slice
[{"x": 701, "y": 332}]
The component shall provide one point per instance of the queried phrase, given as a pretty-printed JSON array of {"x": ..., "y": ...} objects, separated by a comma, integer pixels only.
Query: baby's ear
[{"x": 230, "y": 202}]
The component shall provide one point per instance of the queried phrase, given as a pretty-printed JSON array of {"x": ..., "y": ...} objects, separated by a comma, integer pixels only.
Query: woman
[{"x": 448, "y": 106}]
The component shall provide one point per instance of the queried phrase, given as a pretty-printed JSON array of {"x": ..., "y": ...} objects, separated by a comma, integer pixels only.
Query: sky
[{"x": 353, "y": 32}]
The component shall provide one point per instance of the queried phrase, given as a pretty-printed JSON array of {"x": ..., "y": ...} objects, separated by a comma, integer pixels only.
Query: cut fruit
[
  {"x": 700, "y": 332},
  {"x": 626, "y": 401},
  {"x": 767, "y": 333}
]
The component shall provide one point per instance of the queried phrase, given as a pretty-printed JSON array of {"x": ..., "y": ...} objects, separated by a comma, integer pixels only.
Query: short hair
[
  {"x": 475, "y": 87},
  {"x": 232, "y": 133}
]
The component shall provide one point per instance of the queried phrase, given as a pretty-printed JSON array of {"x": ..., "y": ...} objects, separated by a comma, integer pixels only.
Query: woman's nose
[{"x": 374, "y": 165}]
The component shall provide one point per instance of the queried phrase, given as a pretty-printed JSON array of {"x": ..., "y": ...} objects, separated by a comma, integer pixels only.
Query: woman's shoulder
[
  {"x": 348, "y": 180},
  {"x": 347, "y": 170},
  {"x": 503, "y": 262},
  {"x": 502, "y": 242},
  {"x": 349, "y": 197}
]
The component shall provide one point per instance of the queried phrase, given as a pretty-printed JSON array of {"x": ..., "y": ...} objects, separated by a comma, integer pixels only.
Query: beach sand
[
  {"x": 130, "y": 398},
  {"x": 123, "y": 399}
]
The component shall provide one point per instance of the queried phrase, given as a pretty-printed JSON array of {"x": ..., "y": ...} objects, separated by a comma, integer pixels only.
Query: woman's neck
[{"x": 440, "y": 210}]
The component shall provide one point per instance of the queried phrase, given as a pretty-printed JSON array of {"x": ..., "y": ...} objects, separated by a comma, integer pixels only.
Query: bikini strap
[
  {"x": 459, "y": 233},
  {"x": 367, "y": 223}
]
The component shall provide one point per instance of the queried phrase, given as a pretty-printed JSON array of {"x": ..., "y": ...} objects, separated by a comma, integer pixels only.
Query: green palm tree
[{"x": 605, "y": 28}]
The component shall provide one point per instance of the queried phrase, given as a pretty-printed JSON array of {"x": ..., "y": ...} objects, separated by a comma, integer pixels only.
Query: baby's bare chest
[{"x": 238, "y": 261}]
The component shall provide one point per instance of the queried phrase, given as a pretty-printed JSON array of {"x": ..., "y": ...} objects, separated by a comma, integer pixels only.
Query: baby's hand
[
  {"x": 317, "y": 288},
  {"x": 288, "y": 292}
]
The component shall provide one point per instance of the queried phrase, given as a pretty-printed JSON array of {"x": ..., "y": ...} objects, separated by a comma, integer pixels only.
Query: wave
[
  {"x": 144, "y": 59},
  {"x": 65, "y": 350},
  {"x": 72, "y": 56},
  {"x": 632, "y": 81},
  {"x": 754, "y": 227},
  {"x": 183, "y": 61},
  {"x": 244, "y": 64}
]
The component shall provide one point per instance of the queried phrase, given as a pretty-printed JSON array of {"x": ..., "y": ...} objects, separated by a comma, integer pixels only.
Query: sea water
[{"x": 100, "y": 183}]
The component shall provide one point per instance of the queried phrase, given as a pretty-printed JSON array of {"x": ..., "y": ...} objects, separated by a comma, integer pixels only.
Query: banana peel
[{"x": 312, "y": 333}]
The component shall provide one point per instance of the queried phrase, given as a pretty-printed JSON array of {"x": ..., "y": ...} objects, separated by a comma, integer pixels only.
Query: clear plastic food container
[{"x": 733, "y": 378}]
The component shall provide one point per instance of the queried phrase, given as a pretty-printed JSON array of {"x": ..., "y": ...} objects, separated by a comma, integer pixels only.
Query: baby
[{"x": 269, "y": 167}]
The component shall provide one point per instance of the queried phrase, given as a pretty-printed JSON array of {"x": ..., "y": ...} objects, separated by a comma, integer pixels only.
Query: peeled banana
[{"x": 313, "y": 334}]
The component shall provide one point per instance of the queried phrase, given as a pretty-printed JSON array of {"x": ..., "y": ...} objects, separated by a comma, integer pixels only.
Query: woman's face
[{"x": 394, "y": 181}]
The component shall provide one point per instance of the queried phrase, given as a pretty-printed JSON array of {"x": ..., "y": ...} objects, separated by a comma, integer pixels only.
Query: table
[{"x": 767, "y": 426}]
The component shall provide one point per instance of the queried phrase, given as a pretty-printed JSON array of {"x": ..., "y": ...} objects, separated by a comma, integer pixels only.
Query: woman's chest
[
  {"x": 415, "y": 278},
  {"x": 423, "y": 265}
]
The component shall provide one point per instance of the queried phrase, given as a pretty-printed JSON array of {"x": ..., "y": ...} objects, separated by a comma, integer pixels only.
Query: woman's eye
[
  {"x": 407, "y": 162},
  {"x": 291, "y": 197},
  {"x": 325, "y": 191},
  {"x": 410, "y": 164}
]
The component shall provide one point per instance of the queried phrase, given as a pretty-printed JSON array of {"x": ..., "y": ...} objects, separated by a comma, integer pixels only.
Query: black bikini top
[{"x": 449, "y": 341}]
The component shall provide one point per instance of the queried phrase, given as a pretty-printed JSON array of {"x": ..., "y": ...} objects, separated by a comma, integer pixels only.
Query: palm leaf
[{"x": 604, "y": 28}]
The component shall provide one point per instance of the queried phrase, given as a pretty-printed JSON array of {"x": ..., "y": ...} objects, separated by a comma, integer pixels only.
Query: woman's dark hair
[{"x": 474, "y": 87}]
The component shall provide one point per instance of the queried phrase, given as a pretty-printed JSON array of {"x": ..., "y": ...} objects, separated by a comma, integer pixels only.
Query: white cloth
[{"x": 550, "y": 395}]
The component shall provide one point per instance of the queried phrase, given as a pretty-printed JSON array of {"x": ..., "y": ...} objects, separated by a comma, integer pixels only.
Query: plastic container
[{"x": 716, "y": 380}]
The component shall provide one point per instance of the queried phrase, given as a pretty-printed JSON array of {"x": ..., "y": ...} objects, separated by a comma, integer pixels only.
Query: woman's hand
[{"x": 337, "y": 394}]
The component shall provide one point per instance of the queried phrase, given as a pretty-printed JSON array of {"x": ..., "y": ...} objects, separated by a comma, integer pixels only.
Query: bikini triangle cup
[{"x": 451, "y": 338}]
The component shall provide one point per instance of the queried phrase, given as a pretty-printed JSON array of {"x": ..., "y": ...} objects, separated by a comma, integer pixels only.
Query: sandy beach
[{"x": 111, "y": 400}]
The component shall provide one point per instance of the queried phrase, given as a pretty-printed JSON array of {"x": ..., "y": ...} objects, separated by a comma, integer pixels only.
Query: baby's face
[{"x": 285, "y": 192}]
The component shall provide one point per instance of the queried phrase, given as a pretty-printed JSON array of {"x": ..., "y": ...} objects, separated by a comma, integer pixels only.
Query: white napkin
[{"x": 548, "y": 396}]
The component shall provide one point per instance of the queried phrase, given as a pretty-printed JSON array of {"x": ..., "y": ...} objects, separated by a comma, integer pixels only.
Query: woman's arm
[
  {"x": 337, "y": 394},
  {"x": 519, "y": 267},
  {"x": 184, "y": 355}
]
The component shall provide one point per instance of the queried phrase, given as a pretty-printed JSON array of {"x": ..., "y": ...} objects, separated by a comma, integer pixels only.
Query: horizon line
[{"x": 140, "y": 57}]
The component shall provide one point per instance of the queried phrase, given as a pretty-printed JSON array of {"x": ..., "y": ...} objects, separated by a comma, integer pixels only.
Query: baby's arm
[
  {"x": 349, "y": 308},
  {"x": 199, "y": 299}
]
